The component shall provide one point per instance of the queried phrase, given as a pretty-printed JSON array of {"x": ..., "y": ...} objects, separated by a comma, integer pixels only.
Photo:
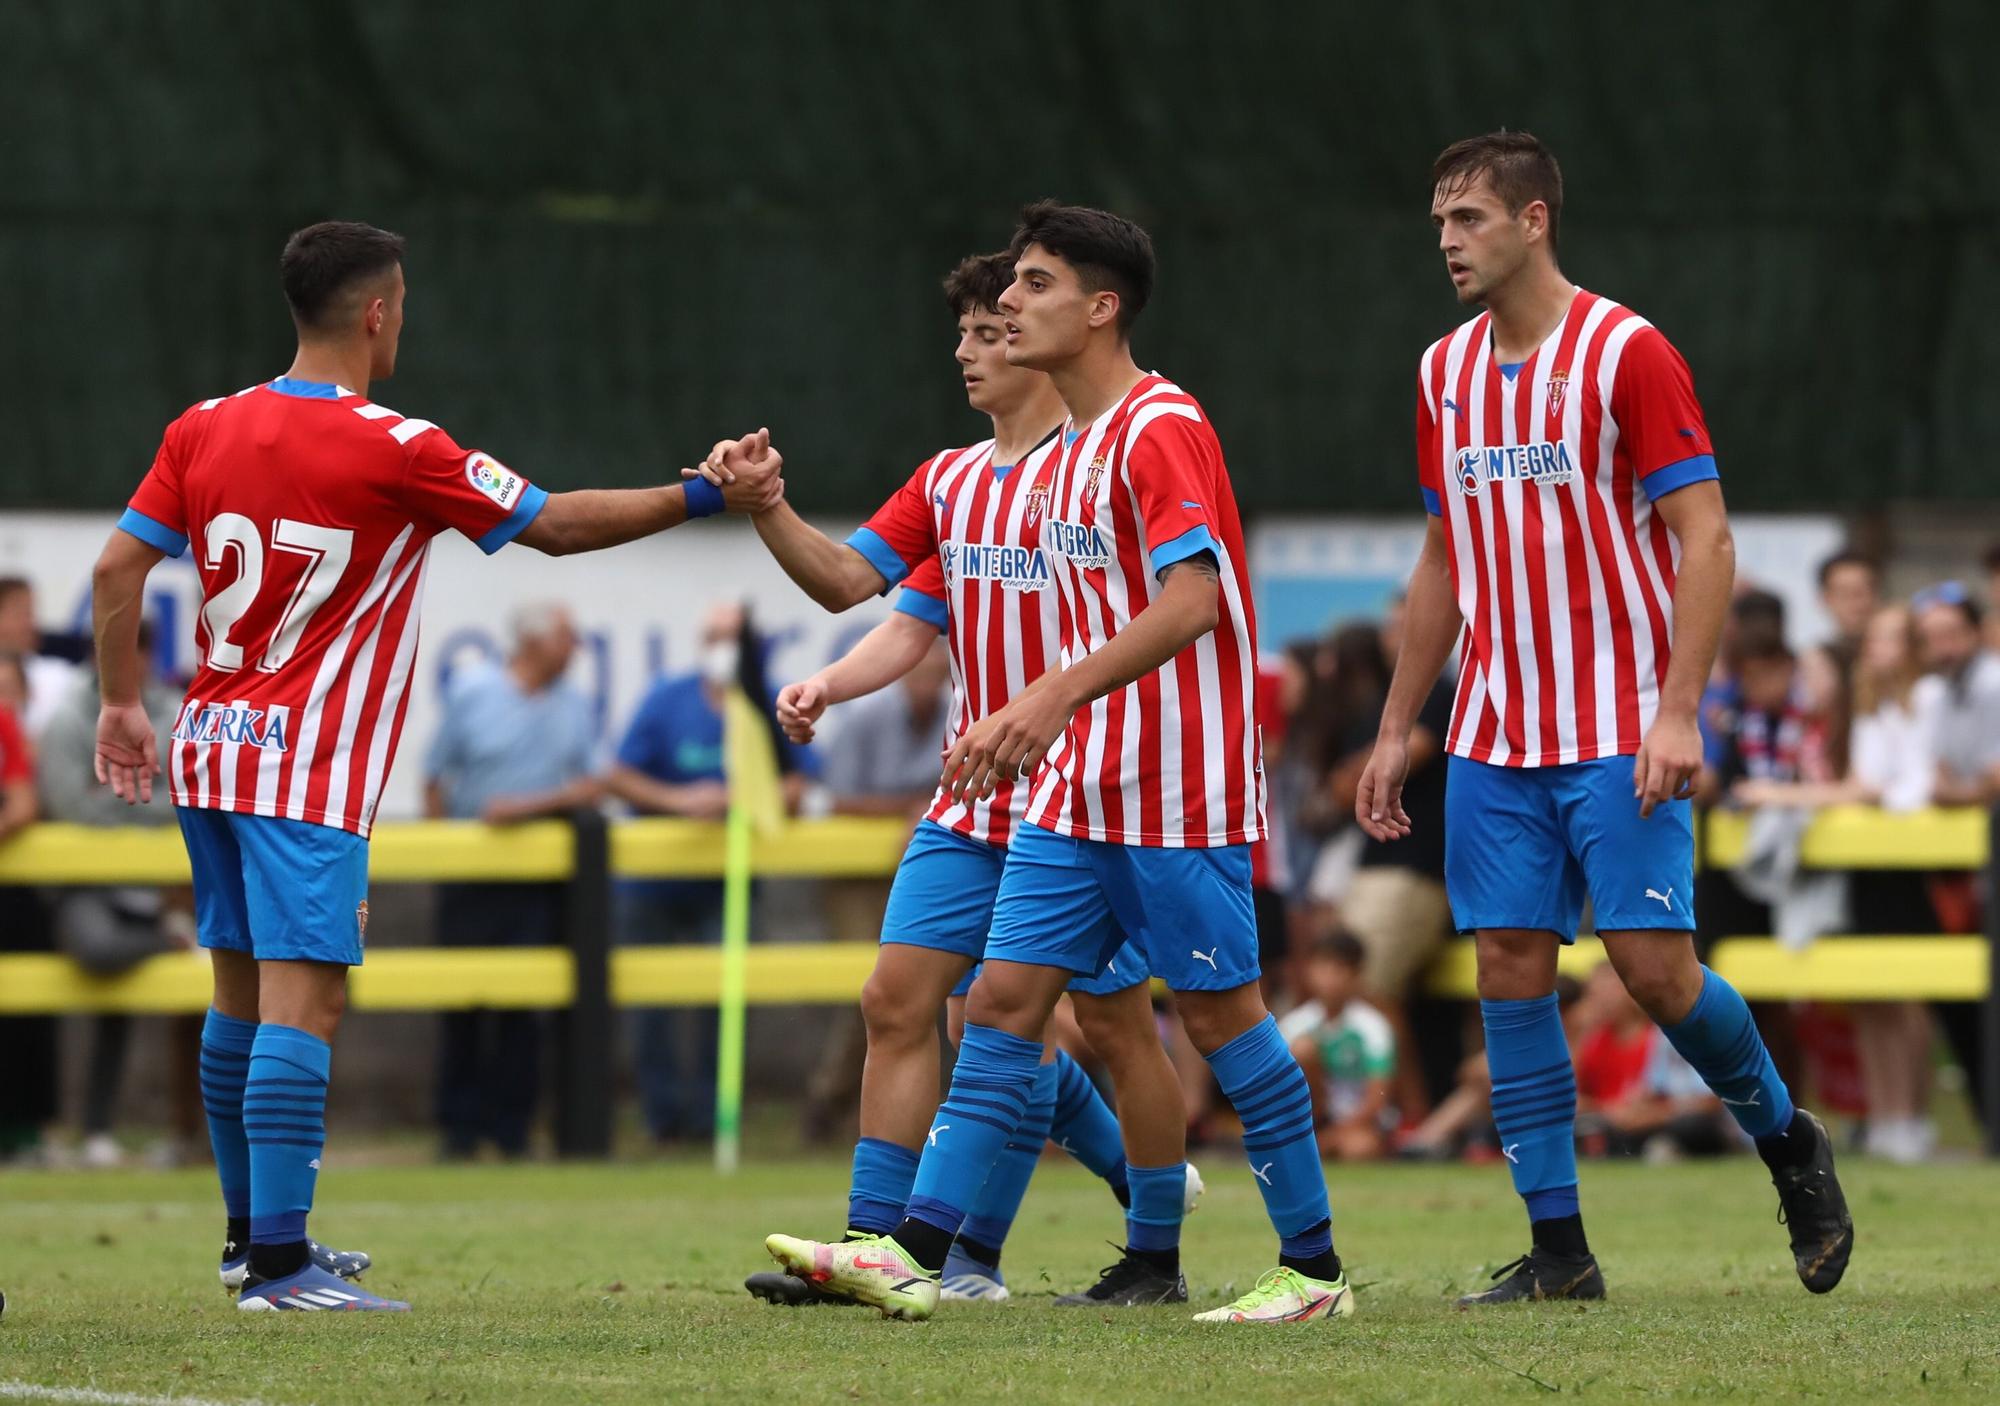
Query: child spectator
[{"x": 1347, "y": 1050}]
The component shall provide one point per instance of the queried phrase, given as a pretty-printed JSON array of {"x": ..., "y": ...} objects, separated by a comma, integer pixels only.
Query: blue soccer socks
[
  {"x": 992, "y": 1088},
  {"x": 284, "y": 1113},
  {"x": 1534, "y": 1101},
  {"x": 992, "y": 1212},
  {"x": 883, "y": 1176},
  {"x": 225, "y": 1065},
  {"x": 1258, "y": 1074},
  {"x": 1721, "y": 1041},
  {"x": 1159, "y": 1203},
  {"x": 1085, "y": 1127}
]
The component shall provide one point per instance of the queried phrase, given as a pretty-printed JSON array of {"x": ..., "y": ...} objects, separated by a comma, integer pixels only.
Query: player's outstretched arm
[
  {"x": 878, "y": 659},
  {"x": 834, "y": 574},
  {"x": 1012, "y": 742},
  {"x": 1432, "y": 623},
  {"x": 1670, "y": 755},
  {"x": 127, "y": 756},
  {"x": 591, "y": 519}
]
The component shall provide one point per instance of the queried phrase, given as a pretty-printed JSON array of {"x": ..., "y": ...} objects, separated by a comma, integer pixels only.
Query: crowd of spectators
[{"x": 1897, "y": 708}]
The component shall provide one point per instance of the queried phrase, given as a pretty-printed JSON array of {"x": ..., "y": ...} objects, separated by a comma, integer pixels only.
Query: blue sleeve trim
[
  {"x": 513, "y": 524},
  {"x": 1671, "y": 477},
  {"x": 925, "y": 607},
  {"x": 880, "y": 555},
  {"x": 1190, "y": 543},
  {"x": 154, "y": 534},
  {"x": 1432, "y": 505}
]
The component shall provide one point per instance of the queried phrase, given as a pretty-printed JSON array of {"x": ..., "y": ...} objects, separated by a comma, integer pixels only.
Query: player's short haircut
[
  {"x": 12, "y": 585},
  {"x": 323, "y": 261},
  {"x": 1340, "y": 946},
  {"x": 1992, "y": 559},
  {"x": 1520, "y": 169},
  {"x": 1108, "y": 252},
  {"x": 1848, "y": 556},
  {"x": 977, "y": 283}
]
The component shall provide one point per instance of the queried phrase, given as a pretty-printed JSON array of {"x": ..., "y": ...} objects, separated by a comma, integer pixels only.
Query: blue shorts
[
  {"x": 1524, "y": 844},
  {"x": 943, "y": 898},
  {"x": 280, "y": 890},
  {"x": 1066, "y": 902}
]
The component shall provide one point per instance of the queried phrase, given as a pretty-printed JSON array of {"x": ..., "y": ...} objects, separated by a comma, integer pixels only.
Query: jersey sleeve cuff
[
  {"x": 1432, "y": 504},
  {"x": 154, "y": 534},
  {"x": 880, "y": 555},
  {"x": 925, "y": 607},
  {"x": 1673, "y": 477},
  {"x": 1192, "y": 542},
  {"x": 515, "y": 522}
]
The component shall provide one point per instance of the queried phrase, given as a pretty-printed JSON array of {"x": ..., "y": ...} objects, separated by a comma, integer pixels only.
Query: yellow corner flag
[{"x": 756, "y": 807}]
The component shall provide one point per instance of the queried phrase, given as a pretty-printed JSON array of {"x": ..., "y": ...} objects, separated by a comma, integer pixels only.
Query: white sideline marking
[{"x": 30, "y": 1391}]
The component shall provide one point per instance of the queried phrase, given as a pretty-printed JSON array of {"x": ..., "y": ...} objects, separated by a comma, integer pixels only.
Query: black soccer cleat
[
  {"x": 790, "y": 1291},
  {"x": 1130, "y": 1283},
  {"x": 1539, "y": 1275},
  {"x": 1812, "y": 1206}
]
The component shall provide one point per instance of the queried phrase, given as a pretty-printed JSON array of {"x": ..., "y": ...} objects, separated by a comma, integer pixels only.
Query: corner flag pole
[{"x": 756, "y": 804}]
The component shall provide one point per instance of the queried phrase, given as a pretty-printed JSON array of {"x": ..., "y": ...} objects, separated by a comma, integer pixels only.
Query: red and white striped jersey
[
  {"x": 1545, "y": 477},
  {"x": 311, "y": 510},
  {"x": 968, "y": 538},
  {"x": 1173, "y": 759}
]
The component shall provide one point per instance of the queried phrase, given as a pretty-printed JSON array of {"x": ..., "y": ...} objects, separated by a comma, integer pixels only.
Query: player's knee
[
  {"x": 1214, "y": 1018},
  {"x": 1664, "y": 991},
  {"x": 1000, "y": 1001},
  {"x": 890, "y": 1015}
]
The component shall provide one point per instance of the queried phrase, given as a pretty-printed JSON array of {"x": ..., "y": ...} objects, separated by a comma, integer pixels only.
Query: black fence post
[
  {"x": 1989, "y": 1031},
  {"x": 584, "y": 1063}
]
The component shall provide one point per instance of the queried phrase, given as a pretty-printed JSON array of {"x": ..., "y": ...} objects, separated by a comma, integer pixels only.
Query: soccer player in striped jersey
[
  {"x": 1141, "y": 823},
  {"x": 311, "y": 510},
  {"x": 963, "y": 535},
  {"x": 1579, "y": 548}
]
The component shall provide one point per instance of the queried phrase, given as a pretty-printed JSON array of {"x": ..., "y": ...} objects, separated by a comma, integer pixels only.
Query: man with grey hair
[{"x": 518, "y": 742}]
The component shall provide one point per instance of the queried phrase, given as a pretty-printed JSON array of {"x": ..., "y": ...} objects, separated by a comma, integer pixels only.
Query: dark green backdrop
[{"x": 637, "y": 225}]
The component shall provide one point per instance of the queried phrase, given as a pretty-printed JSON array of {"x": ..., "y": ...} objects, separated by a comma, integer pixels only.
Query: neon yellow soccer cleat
[
  {"x": 876, "y": 1272},
  {"x": 1286, "y": 1296}
]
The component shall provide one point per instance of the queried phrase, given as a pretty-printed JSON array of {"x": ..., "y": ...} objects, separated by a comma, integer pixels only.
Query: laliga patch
[{"x": 493, "y": 478}]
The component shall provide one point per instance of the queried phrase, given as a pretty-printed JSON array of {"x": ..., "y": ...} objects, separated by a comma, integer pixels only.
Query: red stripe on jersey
[
  {"x": 1576, "y": 571},
  {"x": 1536, "y": 740},
  {"x": 1502, "y": 562}
]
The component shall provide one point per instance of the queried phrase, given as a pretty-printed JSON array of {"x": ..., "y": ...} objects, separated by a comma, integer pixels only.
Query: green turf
[{"x": 621, "y": 1284}]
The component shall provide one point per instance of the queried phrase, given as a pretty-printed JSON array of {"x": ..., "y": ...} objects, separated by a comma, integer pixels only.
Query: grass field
[{"x": 622, "y": 1284}]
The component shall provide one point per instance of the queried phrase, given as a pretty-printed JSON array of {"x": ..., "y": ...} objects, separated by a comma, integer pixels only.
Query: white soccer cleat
[{"x": 1286, "y": 1296}]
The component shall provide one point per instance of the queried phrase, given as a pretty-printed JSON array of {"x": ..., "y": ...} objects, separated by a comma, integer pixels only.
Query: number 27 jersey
[{"x": 310, "y": 510}]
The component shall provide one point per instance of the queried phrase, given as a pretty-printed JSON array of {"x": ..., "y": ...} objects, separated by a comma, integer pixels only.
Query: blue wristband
[{"x": 704, "y": 499}]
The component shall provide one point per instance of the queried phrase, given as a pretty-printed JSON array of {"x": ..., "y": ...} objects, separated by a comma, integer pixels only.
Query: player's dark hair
[
  {"x": 977, "y": 283},
  {"x": 1520, "y": 169},
  {"x": 1848, "y": 556},
  {"x": 323, "y": 261},
  {"x": 1108, "y": 252},
  {"x": 1991, "y": 560},
  {"x": 1340, "y": 946},
  {"x": 10, "y": 585}
]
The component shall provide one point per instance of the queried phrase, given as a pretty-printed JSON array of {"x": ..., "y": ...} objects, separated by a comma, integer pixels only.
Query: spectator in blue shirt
[
  {"x": 517, "y": 743},
  {"x": 671, "y": 763}
]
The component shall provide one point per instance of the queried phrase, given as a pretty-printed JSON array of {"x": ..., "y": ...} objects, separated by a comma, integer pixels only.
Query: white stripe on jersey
[
  {"x": 359, "y": 692},
  {"x": 388, "y": 717}
]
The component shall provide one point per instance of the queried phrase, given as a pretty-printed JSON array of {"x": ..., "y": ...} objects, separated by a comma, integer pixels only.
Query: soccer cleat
[
  {"x": 1812, "y": 1205},
  {"x": 966, "y": 1280},
  {"x": 876, "y": 1272},
  {"x": 1540, "y": 1275},
  {"x": 1130, "y": 1283},
  {"x": 343, "y": 1264},
  {"x": 1286, "y": 1296},
  {"x": 790, "y": 1291},
  {"x": 313, "y": 1289},
  {"x": 1195, "y": 1187}
]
